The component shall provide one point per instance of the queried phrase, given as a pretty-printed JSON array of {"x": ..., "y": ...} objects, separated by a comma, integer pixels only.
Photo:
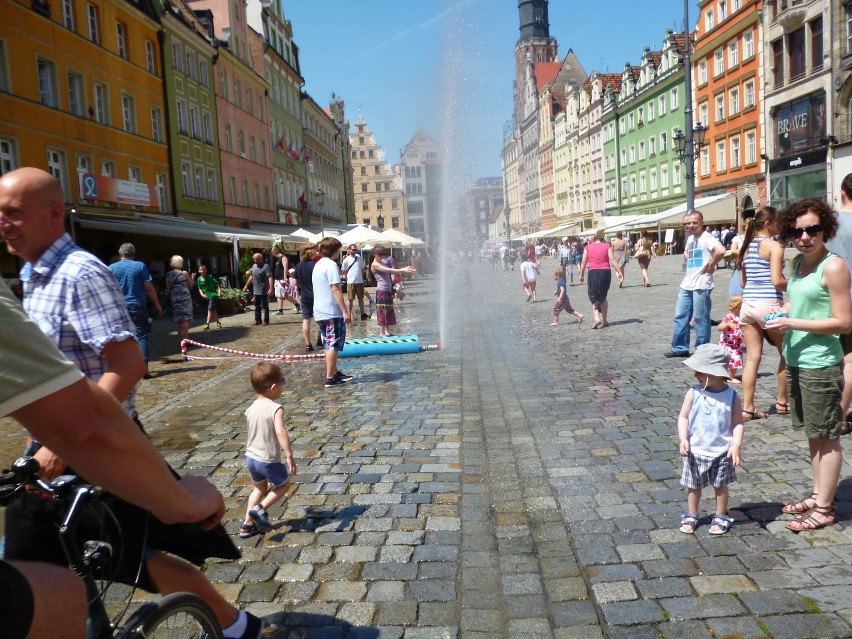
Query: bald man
[
  {"x": 75, "y": 300},
  {"x": 262, "y": 283}
]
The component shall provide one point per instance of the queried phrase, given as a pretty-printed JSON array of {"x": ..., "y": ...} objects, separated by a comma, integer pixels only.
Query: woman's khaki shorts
[
  {"x": 815, "y": 400},
  {"x": 752, "y": 311}
]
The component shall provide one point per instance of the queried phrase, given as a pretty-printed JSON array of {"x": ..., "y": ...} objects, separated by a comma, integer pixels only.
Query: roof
[
  {"x": 612, "y": 79},
  {"x": 680, "y": 41},
  {"x": 496, "y": 212},
  {"x": 545, "y": 73}
]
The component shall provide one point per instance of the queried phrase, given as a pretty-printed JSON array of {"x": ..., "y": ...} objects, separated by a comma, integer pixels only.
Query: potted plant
[{"x": 232, "y": 300}]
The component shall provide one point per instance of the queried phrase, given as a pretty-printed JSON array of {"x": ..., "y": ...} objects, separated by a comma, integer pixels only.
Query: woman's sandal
[
  {"x": 800, "y": 507},
  {"x": 782, "y": 409},
  {"x": 722, "y": 523},
  {"x": 810, "y": 523},
  {"x": 749, "y": 415},
  {"x": 596, "y": 323},
  {"x": 688, "y": 523}
]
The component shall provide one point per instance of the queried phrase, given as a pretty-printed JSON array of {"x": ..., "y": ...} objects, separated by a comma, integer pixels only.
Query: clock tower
[{"x": 534, "y": 45}]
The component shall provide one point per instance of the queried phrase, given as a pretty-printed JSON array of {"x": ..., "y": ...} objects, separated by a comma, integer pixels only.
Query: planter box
[{"x": 228, "y": 306}]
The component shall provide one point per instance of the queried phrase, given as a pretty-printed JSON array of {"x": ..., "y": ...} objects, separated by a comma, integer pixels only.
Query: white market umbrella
[
  {"x": 400, "y": 239},
  {"x": 360, "y": 235}
]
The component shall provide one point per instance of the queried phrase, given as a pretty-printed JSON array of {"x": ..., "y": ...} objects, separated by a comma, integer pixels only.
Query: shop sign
[
  {"x": 107, "y": 189},
  {"x": 800, "y": 124}
]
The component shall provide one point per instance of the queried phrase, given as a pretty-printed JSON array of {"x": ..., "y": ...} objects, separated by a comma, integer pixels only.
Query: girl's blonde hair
[
  {"x": 557, "y": 273},
  {"x": 734, "y": 302}
]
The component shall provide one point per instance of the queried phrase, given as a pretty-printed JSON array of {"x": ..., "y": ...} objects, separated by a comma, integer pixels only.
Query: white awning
[
  {"x": 716, "y": 209},
  {"x": 557, "y": 231}
]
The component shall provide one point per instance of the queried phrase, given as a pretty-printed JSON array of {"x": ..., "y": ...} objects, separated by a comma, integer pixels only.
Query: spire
[{"x": 534, "y": 21}]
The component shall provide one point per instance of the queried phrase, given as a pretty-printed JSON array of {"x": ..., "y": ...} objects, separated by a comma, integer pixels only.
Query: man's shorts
[
  {"x": 815, "y": 400},
  {"x": 280, "y": 289},
  {"x": 273, "y": 472},
  {"x": 333, "y": 333},
  {"x": 16, "y": 603},
  {"x": 753, "y": 311},
  {"x": 699, "y": 471},
  {"x": 355, "y": 290}
]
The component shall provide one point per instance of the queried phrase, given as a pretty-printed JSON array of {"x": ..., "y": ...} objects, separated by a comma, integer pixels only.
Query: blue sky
[{"x": 447, "y": 65}]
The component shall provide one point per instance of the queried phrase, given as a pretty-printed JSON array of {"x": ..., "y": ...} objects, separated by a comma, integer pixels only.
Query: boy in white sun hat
[{"x": 710, "y": 430}]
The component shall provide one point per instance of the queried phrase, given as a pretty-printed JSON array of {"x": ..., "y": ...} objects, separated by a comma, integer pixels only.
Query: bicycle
[{"x": 175, "y": 616}]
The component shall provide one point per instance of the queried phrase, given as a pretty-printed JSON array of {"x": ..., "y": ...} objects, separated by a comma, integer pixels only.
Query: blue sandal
[
  {"x": 722, "y": 522},
  {"x": 688, "y": 523},
  {"x": 248, "y": 530}
]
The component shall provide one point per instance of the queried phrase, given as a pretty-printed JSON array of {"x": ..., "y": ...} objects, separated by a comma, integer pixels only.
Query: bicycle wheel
[{"x": 180, "y": 615}]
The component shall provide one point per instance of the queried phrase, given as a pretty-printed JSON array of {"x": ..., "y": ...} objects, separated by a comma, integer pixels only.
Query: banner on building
[
  {"x": 107, "y": 189},
  {"x": 800, "y": 124}
]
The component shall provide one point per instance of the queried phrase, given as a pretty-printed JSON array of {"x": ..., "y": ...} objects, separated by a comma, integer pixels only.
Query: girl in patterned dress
[{"x": 731, "y": 338}]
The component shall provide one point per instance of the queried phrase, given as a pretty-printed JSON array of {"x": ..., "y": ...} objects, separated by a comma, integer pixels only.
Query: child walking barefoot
[
  {"x": 267, "y": 437},
  {"x": 562, "y": 301},
  {"x": 710, "y": 430},
  {"x": 731, "y": 338}
]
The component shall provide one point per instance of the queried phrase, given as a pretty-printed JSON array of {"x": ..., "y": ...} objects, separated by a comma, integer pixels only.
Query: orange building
[
  {"x": 81, "y": 93},
  {"x": 728, "y": 91}
]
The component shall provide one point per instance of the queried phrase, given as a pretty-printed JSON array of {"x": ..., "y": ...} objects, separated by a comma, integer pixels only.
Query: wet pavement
[{"x": 522, "y": 482}]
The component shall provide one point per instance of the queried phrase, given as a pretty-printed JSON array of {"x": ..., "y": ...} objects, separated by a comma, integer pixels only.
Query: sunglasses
[
  {"x": 813, "y": 230},
  {"x": 280, "y": 382}
]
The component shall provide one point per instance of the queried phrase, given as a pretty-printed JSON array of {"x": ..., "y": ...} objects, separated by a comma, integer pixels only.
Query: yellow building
[{"x": 81, "y": 94}]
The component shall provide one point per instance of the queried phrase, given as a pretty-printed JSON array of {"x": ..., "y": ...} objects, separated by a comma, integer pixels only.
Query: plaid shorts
[{"x": 700, "y": 471}]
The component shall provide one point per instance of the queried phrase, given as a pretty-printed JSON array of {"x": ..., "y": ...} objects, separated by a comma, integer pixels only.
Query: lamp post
[
  {"x": 508, "y": 228},
  {"x": 380, "y": 222},
  {"x": 318, "y": 198},
  {"x": 688, "y": 143}
]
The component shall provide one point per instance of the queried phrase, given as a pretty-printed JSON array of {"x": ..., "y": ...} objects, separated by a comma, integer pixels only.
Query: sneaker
[
  {"x": 280, "y": 311},
  {"x": 218, "y": 324},
  {"x": 309, "y": 348},
  {"x": 207, "y": 327},
  {"x": 342, "y": 376},
  {"x": 364, "y": 316},
  {"x": 298, "y": 308},
  {"x": 260, "y": 517},
  {"x": 254, "y": 627},
  {"x": 677, "y": 354},
  {"x": 333, "y": 381}
]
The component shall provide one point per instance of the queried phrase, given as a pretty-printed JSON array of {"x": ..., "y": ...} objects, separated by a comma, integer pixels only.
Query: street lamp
[
  {"x": 380, "y": 221},
  {"x": 687, "y": 147},
  {"x": 318, "y": 196},
  {"x": 508, "y": 229}
]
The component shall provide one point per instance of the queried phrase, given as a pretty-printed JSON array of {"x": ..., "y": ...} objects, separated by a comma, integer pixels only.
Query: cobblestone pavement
[{"x": 522, "y": 482}]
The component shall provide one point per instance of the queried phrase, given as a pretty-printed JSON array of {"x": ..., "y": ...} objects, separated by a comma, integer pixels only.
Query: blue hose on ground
[{"x": 394, "y": 345}]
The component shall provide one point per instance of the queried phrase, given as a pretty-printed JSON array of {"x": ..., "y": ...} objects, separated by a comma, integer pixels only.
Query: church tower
[{"x": 534, "y": 45}]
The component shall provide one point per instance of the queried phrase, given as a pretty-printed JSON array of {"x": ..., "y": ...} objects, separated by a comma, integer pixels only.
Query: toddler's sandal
[
  {"x": 248, "y": 530},
  {"x": 722, "y": 523},
  {"x": 688, "y": 523}
]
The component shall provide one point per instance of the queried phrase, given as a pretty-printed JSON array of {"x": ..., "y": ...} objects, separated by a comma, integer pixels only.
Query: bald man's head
[{"x": 32, "y": 212}]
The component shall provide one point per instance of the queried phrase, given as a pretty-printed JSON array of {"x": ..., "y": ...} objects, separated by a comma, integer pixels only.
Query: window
[
  {"x": 4, "y": 69},
  {"x": 623, "y": 157},
  {"x": 653, "y": 175},
  {"x": 203, "y": 73},
  {"x": 47, "y": 83},
  {"x": 56, "y": 167},
  {"x": 702, "y": 114},
  {"x": 631, "y": 121},
  {"x": 76, "y": 94},
  {"x": 816, "y": 43},
  {"x": 181, "y": 116},
  {"x": 718, "y": 62},
  {"x": 68, "y": 14},
  {"x": 134, "y": 174},
  {"x": 121, "y": 39},
  {"x": 778, "y": 63},
  {"x": 664, "y": 176},
  {"x": 241, "y": 143},
  {"x": 650, "y": 110},
  {"x": 252, "y": 149},
  {"x": 232, "y": 189},
  {"x": 259, "y": 106},
  {"x": 238, "y": 97},
  {"x": 150, "y": 60},
  {"x": 709, "y": 20},
  {"x": 107, "y": 168},
  {"x": 207, "y": 125},
  {"x": 363, "y": 187},
  {"x": 735, "y": 5},
  {"x": 194, "y": 123},
  {"x": 199, "y": 182},
  {"x": 245, "y": 193},
  {"x": 223, "y": 82},
  {"x": 735, "y": 101},
  {"x": 720, "y": 107},
  {"x": 663, "y": 142},
  {"x": 642, "y": 150},
  {"x": 263, "y": 152},
  {"x": 186, "y": 178},
  {"x": 229, "y": 141},
  {"x": 704, "y": 161},
  {"x": 128, "y": 113},
  {"x": 652, "y": 146},
  {"x": 723, "y": 10},
  {"x": 702, "y": 71},
  {"x": 676, "y": 179},
  {"x": 84, "y": 165},
  {"x": 796, "y": 49},
  {"x": 847, "y": 18},
  {"x": 365, "y": 205},
  {"x": 735, "y": 152},
  {"x": 749, "y": 94},
  {"x": 748, "y": 45},
  {"x": 190, "y": 63},
  {"x": 662, "y": 104},
  {"x": 212, "y": 187},
  {"x": 751, "y": 147},
  {"x": 721, "y": 157},
  {"x": 733, "y": 54},
  {"x": 156, "y": 125},
  {"x": 92, "y": 21},
  {"x": 673, "y": 99},
  {"x": 161, "y": 192},
  {"x": 8, "y": 156},
  {"x": 177, "y": 56},
  {"x": 249, "y": 102},
  {"x": 632, "y": 154}
]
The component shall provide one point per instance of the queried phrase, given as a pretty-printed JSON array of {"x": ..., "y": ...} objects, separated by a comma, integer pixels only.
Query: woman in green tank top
[{"x": 819, "y": 310}]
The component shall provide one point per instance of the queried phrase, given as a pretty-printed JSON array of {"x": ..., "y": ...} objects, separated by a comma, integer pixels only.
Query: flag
[
  {"x": 307, "y": 157},
  {"x": 280, "y": 144},
  {"x": 302, "y": 202},
  {"x": 291, "y": 150}
]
